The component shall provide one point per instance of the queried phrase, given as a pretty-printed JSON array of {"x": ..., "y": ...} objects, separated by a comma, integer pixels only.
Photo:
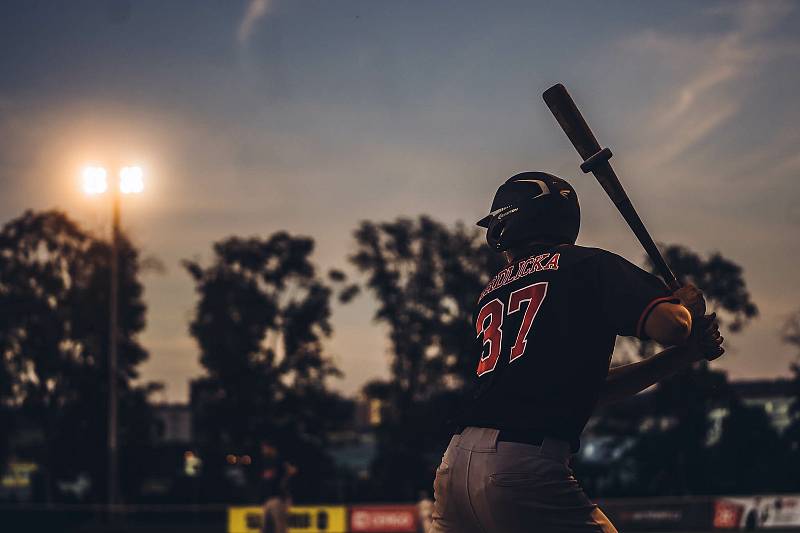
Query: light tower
[{"x": 95, "y": 182}]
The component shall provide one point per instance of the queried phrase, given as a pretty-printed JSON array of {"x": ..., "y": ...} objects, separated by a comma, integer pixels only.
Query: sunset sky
[{"x": 256, "y": 116}]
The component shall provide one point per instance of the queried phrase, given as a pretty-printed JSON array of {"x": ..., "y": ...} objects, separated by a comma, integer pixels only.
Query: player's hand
[
  {"x": 692, "y": 299},
  {"x": 706, "y": 339}
]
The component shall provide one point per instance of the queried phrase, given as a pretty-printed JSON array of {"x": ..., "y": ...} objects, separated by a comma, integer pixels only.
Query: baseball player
[
  {"x": 545, "y": 329},
  {"x": 276, "y": 474}
]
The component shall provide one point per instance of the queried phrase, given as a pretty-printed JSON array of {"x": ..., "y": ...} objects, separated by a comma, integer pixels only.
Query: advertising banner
[
  {"x": 751, "y": 513},
  {"x": 302, "y": 519},
  {"x": 385, "y": 518},
  {"x": 659, "y": 515},
  {"x": 245, "y": 519}
]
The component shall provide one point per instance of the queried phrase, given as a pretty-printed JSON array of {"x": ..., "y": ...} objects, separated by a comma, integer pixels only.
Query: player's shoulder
[
  {"x": 590, "y": 257},
  {"x": 575, "y": 254},
  {"x": 582, "y": 253}
]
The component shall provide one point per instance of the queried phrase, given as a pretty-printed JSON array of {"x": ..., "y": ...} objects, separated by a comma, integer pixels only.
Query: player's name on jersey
[{"x": 520, "y": 270}]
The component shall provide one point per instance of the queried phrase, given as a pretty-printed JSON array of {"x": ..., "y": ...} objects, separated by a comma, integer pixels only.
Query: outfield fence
[{"x": 689, "y": 514}]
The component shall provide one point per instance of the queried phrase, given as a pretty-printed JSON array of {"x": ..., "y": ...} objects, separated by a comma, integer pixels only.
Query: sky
[{"x": 255, "y": 116}]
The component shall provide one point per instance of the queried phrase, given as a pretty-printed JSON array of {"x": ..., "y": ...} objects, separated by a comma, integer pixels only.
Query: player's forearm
[{"x": 627, "y": 380}]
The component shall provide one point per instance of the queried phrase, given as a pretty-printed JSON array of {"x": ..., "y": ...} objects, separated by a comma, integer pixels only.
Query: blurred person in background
[
  {"x": 425, "y": 512},
  {"x": 274, "y": 487}
]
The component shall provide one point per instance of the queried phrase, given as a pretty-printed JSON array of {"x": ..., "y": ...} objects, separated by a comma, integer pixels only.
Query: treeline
[{"x": 260, "y": 322}]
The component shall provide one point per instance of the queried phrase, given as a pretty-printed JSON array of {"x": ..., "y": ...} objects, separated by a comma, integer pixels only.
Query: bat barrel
[
  {"x": 596, "y": 161},
  {"x": 572, "y": 122}
]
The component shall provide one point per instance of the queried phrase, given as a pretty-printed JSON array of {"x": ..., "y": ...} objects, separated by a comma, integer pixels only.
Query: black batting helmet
[{"x": 532, "y": 206}]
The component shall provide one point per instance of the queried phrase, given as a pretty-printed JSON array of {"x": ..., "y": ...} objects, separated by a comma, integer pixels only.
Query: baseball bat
[{"x": 595, "y": 160}]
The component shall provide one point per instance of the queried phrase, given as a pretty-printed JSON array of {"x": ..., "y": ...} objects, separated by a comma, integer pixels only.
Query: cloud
[
  {"x": 256, "y": 10},
  {"x": 709, "y": 77}
]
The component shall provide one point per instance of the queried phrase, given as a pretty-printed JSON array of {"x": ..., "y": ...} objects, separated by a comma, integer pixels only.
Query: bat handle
[{"x": 669, "y": 277}]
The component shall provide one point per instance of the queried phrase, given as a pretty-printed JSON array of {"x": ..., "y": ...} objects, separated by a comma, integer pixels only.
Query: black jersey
[{"x": 545, "y": 331}]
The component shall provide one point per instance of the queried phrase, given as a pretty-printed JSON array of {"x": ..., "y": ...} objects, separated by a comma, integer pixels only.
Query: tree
[
  {"x": 675, "y": 459},
  {"x": 750, "y": 456},
  {"x": 672, "y": 457},
  {"x": 426, "y": 278},
  {"x": 54, "y": 299},
  {"x": 721, "y": 280},
  {"x": 260, "y": 320},
  {"x": 790, "y": 333}
]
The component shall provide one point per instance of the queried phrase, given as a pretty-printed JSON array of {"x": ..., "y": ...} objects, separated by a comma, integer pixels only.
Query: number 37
[{"x": 490, "y": 324}]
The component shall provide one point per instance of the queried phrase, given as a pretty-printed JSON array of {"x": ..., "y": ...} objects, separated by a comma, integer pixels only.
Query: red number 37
[{"x": 490, "y": 324}]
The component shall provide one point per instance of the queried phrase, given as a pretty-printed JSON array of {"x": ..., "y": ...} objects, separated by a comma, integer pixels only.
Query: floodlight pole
[{"x": 113, "y": 344}]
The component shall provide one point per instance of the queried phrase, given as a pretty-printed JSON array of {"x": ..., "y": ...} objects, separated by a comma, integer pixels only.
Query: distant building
[
  {"x": 369, "y": 412},
  {"x": 354, "y": 448},
  {"x": 174, "y": 423},
  {"x": 775, "y": 397}
]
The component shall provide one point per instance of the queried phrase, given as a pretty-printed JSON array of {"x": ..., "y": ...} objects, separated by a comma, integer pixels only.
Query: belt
[{"x": 523, "y": 437}]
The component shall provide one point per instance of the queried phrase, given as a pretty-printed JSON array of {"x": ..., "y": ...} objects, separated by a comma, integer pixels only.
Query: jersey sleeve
[{"x": 628, "y": 294}]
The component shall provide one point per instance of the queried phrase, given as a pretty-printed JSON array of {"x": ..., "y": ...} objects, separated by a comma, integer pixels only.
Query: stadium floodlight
[
  {"x": 94, "y": 180},
  {"x": 131, "y": 180}
]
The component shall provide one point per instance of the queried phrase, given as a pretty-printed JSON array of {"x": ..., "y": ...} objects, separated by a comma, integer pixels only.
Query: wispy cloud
[
  {"x": 256, "y": 10},
  {"x": 710, "y": 75}
]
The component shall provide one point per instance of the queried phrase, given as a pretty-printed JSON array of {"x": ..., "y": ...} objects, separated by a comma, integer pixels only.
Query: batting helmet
[{"x": 532, "y": 206}]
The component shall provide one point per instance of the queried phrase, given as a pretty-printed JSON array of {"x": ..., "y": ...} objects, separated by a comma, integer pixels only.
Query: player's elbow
[
  {"x": 681, "y": 328},
  {"x": 669, "y": 324}
]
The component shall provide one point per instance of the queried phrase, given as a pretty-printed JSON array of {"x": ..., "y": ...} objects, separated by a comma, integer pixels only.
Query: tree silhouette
[
  {"x": 260, "y": 320},
  {"x": 426, "y": 278},
  {"x": 790, "y": 334},
  {"x": 750, "y": 456},
  {"x": 674, "y": 458},
  {"x": 721, "y": 280},
  {"x": 54, "y": 299}
]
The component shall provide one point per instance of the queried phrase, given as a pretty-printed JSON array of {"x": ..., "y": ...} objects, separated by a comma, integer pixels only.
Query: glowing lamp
[
  {"x": 94, "y": 180},
  {"x": 131, "y": 180}
]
